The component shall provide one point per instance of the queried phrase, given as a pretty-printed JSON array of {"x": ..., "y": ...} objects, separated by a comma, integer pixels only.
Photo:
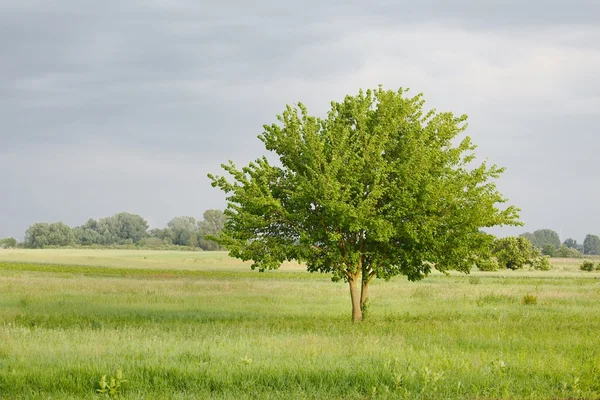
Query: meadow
[{"x": 187, "y": 325}]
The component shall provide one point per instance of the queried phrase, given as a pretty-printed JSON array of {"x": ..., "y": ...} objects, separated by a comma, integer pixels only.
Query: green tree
[
  {"x": 130, "y": 227},
  {"x": 183, "y": 228},
  {"x": 211, "y": 226},
  {"x": 548, "y": 250},
  {"x": 570, "y": 243},
  {"x": 165, "y": 235},
  {"x": 8, "y": 243},
  {"x": 566, "y": 252},
  {"x": 378, "y": 188},
  {"x": 514, "y": 252},
  {"x": 42, "y": 234},
  {"x": 591, "y": 244},
  {"x": 61, "y": 235},
  {"x": 37, "y": 235},
  {"x": 543, "y": 237}
]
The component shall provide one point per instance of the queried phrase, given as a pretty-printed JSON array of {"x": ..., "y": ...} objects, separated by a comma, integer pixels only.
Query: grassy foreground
[{"x": 200, "y": 325}]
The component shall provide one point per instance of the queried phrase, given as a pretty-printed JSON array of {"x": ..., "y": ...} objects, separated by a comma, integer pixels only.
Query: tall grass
[{"x": 184, "y": 334}]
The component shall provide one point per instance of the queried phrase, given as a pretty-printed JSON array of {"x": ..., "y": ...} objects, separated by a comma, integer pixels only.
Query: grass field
[{"x": 200, "y": 325}]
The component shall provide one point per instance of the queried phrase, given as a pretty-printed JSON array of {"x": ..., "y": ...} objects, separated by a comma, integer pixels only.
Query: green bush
[
  {"x": 486, "y": 263},
  {"x": 566, "y": 252},
  {"x": 598, "y": 267},
  {"x": 587, "y": 266},
  {"x": 514, "y": 252},
  {"x": 541, "y": 263},
  {"x": 529, "y": 300},
  {"x": 548, "y": 250}
]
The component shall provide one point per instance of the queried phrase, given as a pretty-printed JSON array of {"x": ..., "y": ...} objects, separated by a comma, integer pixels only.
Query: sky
[{"x": 126, "y": 105}]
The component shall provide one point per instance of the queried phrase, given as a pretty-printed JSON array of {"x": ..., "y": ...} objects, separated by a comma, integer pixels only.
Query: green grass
[{"x": 184, "y": 329}]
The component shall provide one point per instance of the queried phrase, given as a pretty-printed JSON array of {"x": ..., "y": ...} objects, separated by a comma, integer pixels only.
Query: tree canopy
[
  {"x": 591, "y": 244},
  {"x": 377, "y": 188},
  {"x": 543, "y": 238},
  {"x": 126, "y": 229}
]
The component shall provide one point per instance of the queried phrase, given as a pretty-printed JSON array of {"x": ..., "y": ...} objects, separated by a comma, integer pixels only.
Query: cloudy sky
[{"x": 126, "y": 105}]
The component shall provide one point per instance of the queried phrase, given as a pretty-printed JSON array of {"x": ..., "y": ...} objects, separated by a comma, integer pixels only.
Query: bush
[
  {"x": 514, "y": 252},
  {"x": 541, "y": 263},
  {"x": 529, "y": 300},
  {"x": 8, "y": 243},
  {"x": 566, "y": 252},
  {"x": 587, "y": 266},
  {"x": 548, "y": 250},
  {"x": 598, "y": 267},
  {"x": 487, "y": 264}
]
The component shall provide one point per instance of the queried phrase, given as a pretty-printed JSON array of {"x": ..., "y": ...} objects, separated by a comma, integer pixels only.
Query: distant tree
[
  {"x": 514, "y": 252},
  {"x": 566, "y": 252},
  {"x": 183, "y": 228},
  {"x": 61, "y": 235},
  {"x": 211, "y": 225},
  {"x": 41, "y": 234},
  {"x": 570, "y": 243},
  {"x": 543, "y": 237},
  {"x": 193, "y": 242},
  {"x": 165, "y": 235},
  {"x": 37, "y": 235},
  {"x": 529, "y": 236},
  {"x": 548, "y": 250},
  {"x": 591, "y": 244},
  {"x": 8, "y": 243},
  {"x": 131, "y": 227},
  {"x": 88, "y": 233}
]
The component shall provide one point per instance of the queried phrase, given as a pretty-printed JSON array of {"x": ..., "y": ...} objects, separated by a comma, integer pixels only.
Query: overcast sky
[{"x": 126, "y": 105}]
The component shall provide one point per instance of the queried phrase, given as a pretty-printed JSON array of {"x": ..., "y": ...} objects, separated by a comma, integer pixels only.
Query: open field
[{"x": 200, "y": 325}]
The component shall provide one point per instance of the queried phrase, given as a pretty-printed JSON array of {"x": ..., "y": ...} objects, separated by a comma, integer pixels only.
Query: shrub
[
  {"x": 598, "y": 267},
  {"x": 529, "y": 300},
  {"x": 514, "y": 252},
  {"x": 541, "y": 263},
  {"x": 548, "y": 250},
  {"x": 487, "y": 264},
  {"x": 566, "y": 252},
  {"x": 587, "y": 266}
]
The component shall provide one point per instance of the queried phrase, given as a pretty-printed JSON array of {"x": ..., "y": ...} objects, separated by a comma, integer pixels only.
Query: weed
[
  {"x": 113, "y": 386},
  {"x": 246, "y": 360},
  {"x": 529, "y": 300},
  {"x": 587, "y": 265},
  {"x": 474, "y": 280}
]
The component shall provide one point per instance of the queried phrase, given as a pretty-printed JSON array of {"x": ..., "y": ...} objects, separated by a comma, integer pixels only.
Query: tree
[
  {"x": 183, "y": 228},
  {"x": 42, "y": 234},
  {"x": 591, "y": 244},
  {"x": 8, "y": 243},
  {"x": 376, "y": 189},
  {"x": 570, "y": 243},
  {"x": 566, "y": 252},
  {"x": 543, "y": 237},
  {"x": 165, "y": 235},
  {"x": 211, "y": 226},
  {"x": 548, "y": 250},
  {"x": 529, "y": 236},
  {"x": 61, "y": 235},
  {"x": 514, "y": 252},
  {"x": 130, "y": 227}
]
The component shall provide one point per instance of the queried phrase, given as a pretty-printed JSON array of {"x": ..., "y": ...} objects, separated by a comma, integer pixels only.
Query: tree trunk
[
  {"x": 364, "y": 293},
  {"x": 355, "y": 296}
]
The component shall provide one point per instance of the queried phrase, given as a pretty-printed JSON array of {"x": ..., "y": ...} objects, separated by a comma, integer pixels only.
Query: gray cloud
[{"x": 138, "y": 100}]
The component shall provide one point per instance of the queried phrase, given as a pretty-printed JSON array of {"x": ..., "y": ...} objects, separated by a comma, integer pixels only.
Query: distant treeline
[
  {"x": 125, "y": 230},
  {"x": 549, "y": 243}
]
